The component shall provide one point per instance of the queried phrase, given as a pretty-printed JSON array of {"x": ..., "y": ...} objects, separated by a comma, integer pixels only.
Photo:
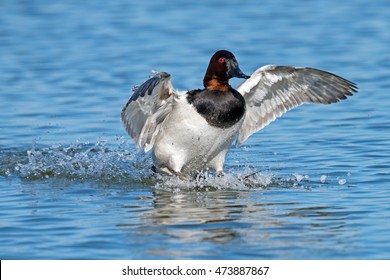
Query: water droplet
[
  {"x": 299, "y": 177},
  {"x": 342, "y": 181}
]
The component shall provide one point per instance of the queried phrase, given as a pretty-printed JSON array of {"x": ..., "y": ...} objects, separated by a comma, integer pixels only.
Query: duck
[{"x": 189, "y": 132}]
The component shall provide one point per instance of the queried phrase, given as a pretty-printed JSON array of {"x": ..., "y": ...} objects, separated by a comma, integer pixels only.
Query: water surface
[{"x": 312, "y": 185}]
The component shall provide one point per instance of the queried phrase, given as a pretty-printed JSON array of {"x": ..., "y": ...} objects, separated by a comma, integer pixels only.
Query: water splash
[
  {"x": 82, "y": 161},
  {"x": 115, "y": 162},
  {"x": 208, "y": 181}
]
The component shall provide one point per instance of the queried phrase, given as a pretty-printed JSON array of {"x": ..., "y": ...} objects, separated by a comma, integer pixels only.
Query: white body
[{"x": 187, "y": 143}]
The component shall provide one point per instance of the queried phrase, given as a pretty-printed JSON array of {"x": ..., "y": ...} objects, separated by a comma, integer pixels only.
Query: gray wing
[
  {"x": 273, "y": 90},
  {"x": 146, "y": 109}
]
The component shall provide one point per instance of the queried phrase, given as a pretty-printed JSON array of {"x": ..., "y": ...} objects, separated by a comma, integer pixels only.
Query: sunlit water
[{"x": 312, "y": 185}]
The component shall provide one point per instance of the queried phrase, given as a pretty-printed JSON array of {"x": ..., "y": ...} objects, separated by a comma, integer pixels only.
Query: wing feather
[
  {"x": 273, "y": 90},
  {"x": 147, "y": 108}
]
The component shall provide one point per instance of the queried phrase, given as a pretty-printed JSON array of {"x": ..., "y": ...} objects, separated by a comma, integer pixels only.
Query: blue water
[{"x": 315, "y": 184}]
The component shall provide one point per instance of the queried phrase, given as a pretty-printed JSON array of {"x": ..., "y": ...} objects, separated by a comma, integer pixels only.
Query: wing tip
[{"x": 349, "y": 89}]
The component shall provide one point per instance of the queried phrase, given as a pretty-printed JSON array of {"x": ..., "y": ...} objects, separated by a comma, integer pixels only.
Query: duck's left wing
[
  {"x": 146, "y": 109},
  {"x": 273, "y": 90}
]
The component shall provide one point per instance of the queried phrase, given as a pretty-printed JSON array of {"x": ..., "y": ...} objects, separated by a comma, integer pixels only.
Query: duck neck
[{"x": 213, "y": 83}]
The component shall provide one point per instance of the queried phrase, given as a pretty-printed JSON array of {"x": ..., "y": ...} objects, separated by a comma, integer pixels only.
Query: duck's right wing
[{"x": 147, "y": 108}]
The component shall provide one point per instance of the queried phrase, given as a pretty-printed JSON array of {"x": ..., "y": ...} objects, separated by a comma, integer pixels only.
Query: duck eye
[{"x": 221, "y": 60}]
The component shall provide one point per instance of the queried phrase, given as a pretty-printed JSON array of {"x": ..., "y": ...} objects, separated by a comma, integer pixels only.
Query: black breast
[{"x": 220, "y": 109}]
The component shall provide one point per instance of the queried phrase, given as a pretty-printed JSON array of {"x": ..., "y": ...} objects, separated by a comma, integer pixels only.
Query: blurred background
[{"x": 67, "y": 67}]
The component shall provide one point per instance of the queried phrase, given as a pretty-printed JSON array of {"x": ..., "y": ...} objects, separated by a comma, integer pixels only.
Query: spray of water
[{"x": 114, "y": 161}]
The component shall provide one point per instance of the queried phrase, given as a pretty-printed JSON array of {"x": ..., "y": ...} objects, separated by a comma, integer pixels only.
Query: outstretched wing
[
  {"x": 273, "y": 90},
  {"x": 146, "y": 109}
]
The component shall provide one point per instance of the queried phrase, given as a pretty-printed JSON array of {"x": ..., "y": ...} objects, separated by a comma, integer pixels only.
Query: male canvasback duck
[{"x": 192, "y": 131}]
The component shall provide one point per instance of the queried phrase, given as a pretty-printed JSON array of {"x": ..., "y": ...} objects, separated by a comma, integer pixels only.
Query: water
[{"x": 312, "y": 185}]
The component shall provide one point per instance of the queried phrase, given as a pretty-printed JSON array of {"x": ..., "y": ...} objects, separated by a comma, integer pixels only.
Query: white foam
[
  {"x": 342, "y": 181},
  {"x": 300, "y": 177},
  {"x": 208, "y": 181}
]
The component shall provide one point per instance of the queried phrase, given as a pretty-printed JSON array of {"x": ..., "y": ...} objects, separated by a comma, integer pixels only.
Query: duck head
[{"x": 223, "y": 66}]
